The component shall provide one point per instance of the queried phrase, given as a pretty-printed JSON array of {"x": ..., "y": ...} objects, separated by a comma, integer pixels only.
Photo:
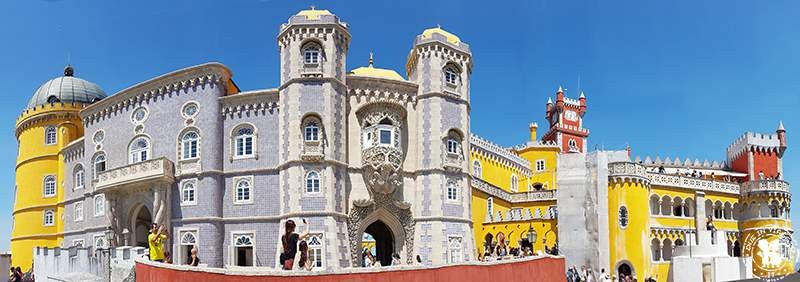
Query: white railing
[
  {"x": 521, "y": 197},
  {"x": 312, "y": 152},
  {"x": 155, "y": 169},
  {"x": 693, "y": 183},
  {"x": 772, "y": 185}
]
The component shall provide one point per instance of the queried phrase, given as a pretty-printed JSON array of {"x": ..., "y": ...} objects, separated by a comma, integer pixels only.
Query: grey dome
[{"x": 66, "y": 89}]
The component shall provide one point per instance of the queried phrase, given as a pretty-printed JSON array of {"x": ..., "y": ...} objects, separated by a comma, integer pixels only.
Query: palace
[{"x": 346, "y": 154}]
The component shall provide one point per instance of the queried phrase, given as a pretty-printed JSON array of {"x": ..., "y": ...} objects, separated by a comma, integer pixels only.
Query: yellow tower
[
  {"x": 628, "y": 191},
  {"x": 50, "y": 122},
  {"x": 766, "y": 229}
]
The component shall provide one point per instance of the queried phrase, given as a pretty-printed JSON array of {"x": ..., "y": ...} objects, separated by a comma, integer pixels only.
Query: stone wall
[{"x": 86, "y": 264}]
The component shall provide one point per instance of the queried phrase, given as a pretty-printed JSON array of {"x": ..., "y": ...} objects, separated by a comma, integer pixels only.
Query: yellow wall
[
  {"x": 35, "y": 160},
  {"x": 627, "y": 243},
  {"x": 550, "y": 157},
  {"x": 497, "y": 173}
]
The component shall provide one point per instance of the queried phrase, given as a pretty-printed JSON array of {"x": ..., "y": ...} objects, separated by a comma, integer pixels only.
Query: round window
[
  {"x": 139, "y": 115},
  {"x": 190, "y": 110},
  {"x": 99, "y": 136}
]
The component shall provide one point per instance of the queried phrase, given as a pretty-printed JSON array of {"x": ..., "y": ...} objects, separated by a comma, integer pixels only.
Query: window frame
[
  {"x": 250, "y": 194},
  {"x": 139, "y": 155},
  {"x": 78, "y": 215},
  {"x": 312, "y": 54},
  {"x": 187, "y": 105},
  {"x": 99, "y": 237},
  {"x": 451, "y": 185},
  {"x": 102, "y": 199},
  {"x": 46, "y": 182},
  {"x": 514, "y": 185},
  {"x": 451, "y": 251},
  {"x": 50, "y": 135},
  {"x": 144, "y": 118},
  {"x": 96, "y": 172},
  {"x": 318, "y": 179},
  {"x": 320, "y": 248},
  {"x": 235, "y": 137},
  {"x": 51, "y": 215},
  {"x": 184, "y": 184},
  {"x": 311, "y": 128},
  {"x": 490, "y": 206},
  {"x": 233, "y": 246},
  {"x": 195, "y": 143},
  {"x": 541, "y": 163},
  {"x": 452, "y": 75},
  {"x": 78, "y": 177},
  {"x": 479, "y": 171},
  {"x": 621, "y": 215}
]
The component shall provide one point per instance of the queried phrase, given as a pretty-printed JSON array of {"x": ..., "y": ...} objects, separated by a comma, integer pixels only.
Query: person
[
  {"x": 589, "y": 275},
  {"x": 395, "y": 259},
  {"x": 304, "y": 263},
  {"x": 710, "y": 224},
  {"x": 155, "y": 242},
  {"x": 21, "y": 274},
  {"x": 194, "y": 260},
  {"x": 167, "y": 257},
  {"x": 603, "y": 276},
  {"x": 571, "y": 274},
  {"x": 419, "y": 260},
  {"x": 372, "y": 261},
  {"x": 778, "y": 176},
  {"x": 582, "y": 274},
  {"x": 16, "y": 276},
  {"x": 289, "y": 241}
]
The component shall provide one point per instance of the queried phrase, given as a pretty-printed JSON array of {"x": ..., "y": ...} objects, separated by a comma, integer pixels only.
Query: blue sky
[{"x": 670, "y": 78}]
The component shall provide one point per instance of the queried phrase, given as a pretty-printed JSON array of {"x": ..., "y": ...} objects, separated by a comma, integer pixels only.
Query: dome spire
[
  {"x": 69, "y": 71},
  {"x": 371, "y": 58}
]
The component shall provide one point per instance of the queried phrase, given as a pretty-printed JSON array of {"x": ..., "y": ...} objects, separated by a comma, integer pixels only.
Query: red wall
[
  {"x": 542, "y": 269},
  {"x": 762, "y": 161}
]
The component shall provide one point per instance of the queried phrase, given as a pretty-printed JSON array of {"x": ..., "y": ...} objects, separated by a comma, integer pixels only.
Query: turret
[
  {"x": 781, "y": 137},
  {"x": 532, "y": 127},
  {"x": 582, "y": 102},
  {"x": 566, "y": 122}
]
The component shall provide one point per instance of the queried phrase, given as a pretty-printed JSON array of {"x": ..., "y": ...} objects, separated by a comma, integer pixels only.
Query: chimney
[{"x": 533, "y": 126}]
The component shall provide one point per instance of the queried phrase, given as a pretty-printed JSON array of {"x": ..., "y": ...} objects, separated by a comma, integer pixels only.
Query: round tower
[
  {"x": 766, "y": 228},
  {"x": 50, "y": 122},
  {"x": 628, "y": 192}
]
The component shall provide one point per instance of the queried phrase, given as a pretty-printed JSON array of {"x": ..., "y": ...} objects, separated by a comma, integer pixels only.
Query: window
[
  {"x": 540, "y": 165},
  {"x": 452, "y": 191},
  {"x": 49, "y": 186},
  {"x": 476, "y": 169},
  {"x": 50, "y": 135},
  {"x": 78, "y": 177},
  {"x": 243, "y": 191},
  {"x": 316, "y": 252},
  {"x": 99, "y": 136},
  {"x": 49, "y": 217},
  {"x": 244, "y": 142},
  {"x": 514, "y": 183},
  {"x": 623, "y": 216},
  {"x": 77, "y": 243},
  {"x": 189, "y": 145},
  {"x": 188, "y": 240},
  {"x": 666, "y": 250},
  {"x": 451, "y": 75},
  {"x": 99, "y": 205},
  {"x": 99, "y": 163},
  {"x": 311, "y": 55},
  {"x": 452, "y": 146},
  {"x": 100, "y": 241},
  {"x": 655, "y": 249},
  {"x": 573, "y": 145},
  {"x": 313, "y": 182},
  {"x": 78, "y": 211},
  {"x": 312, "y": 131},
  {"x": 188, "y": 193},
  {"x": 490, "y": 206},
  {"x": 139, "y": 150},
  {"x": 385, "y": 136},
  {"x": 454, "y": 249},
  {"x": 243, "y": 249},
  {"x": 139, "y": 115},
  {"x": 189, "y": 110}
]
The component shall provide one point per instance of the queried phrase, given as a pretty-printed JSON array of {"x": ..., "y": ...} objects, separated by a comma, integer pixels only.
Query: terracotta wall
[{"x": 542, "y": 269}]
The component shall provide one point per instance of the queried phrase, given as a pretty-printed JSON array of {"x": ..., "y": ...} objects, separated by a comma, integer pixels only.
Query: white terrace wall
[{"x": 58, "y": 264}]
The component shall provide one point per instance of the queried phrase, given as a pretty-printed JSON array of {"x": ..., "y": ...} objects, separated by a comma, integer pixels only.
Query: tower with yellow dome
[{"x": 49, "y": 124}]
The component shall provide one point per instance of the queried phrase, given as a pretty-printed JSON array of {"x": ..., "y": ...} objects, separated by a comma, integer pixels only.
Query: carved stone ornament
[
  {"x": 381, "y": 169},
  {"x": 364, "y": 208}
]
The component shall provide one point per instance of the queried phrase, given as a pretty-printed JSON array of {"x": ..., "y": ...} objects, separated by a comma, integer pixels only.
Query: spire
[
  {"x": 549, "y": 100},
  {"x": 560, "y": 90},
  {"x": 780, "y": 127},
  {"x": 371, "y": 58},
  {"x": 69, "y": 71},
  {"x": 582, "y": 96},
  {"x": 313, "y": 7}
]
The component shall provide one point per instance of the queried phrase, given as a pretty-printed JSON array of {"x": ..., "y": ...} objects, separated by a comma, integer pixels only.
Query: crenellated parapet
[
  {"x": 376, "y": 90},
  {"x": 754, "y": 142},
  {"x": 685, "y": 163},
  {"x": 499, "y": 154},
  {"x": 251, "y": 101},
  {"x": 41, "y": 114},
  {"x": 318, "y": 24},
  {"x": 628, "y": 172}
]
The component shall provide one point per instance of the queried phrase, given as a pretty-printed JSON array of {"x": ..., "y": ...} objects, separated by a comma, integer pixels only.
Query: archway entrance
[
  {"x": 624, "y": 270},
  {"x": 140, "y": 226},
  {"x": 384, "y": 241}
]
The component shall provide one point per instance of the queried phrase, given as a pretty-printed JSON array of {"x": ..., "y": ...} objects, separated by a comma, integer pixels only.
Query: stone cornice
[
  {"x": 52, "y": 112},
  {"x": 499, "y": 154},
  {"x": 266, "y": 99},
  {"x": 195, "y": 76},
  {"x": 373, "y": 90},
  {"x": 73, "y": 149}
]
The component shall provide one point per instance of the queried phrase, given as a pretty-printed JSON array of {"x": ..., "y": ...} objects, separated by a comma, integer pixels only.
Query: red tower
[
  {"x": 566, "y": 123},
  {"x": 759, "y": 155}
]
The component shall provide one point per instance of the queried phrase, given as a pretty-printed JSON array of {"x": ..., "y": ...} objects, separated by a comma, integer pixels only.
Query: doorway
[
  {"x": 624, "y": 270},
  {"x": 384, "y": 241},
  {"x": 142, "y": 219}
]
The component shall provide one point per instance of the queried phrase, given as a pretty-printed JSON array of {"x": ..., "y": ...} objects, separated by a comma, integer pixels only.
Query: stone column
[
  {"x": 750, "y": 165},
  {"x": 699, "y": 213}
]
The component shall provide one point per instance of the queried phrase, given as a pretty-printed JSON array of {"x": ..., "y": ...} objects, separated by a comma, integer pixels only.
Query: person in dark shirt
[
  {"x": 289, "y": 241},
  {"x": 194, "y": 260}
]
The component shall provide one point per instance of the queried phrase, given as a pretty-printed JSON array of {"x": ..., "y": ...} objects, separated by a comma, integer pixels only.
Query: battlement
[
  {"x": 685, "y": 163},
  {"x": 499, "y": 152},
  {"x": 755, "y": 142}
]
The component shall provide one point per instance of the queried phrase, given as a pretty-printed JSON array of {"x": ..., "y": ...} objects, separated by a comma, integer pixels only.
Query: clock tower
[{"x": 566, "y": 123}]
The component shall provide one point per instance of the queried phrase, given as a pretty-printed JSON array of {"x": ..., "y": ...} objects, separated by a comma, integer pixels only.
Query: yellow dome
[
  {"x": 313, "y": 14},
  {"x": 377, "y": 73},
  {"x": 452, "y": 38}
]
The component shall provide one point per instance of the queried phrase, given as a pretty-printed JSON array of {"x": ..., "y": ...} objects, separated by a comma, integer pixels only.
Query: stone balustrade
[
  {"x": 150, "y": 170},
  {"x": 668, "y": 180},
  {"x": 312, "y": 152},
  {"x": 628, "y": 171},
  {"x": 452, "y": 162},
  {"x": 521, "y": 197},
  {"x": 771, "y": 185}
]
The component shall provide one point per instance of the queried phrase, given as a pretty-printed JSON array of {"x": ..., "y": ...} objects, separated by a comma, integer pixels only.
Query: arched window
[
  {"x": 452, "y": 191},
  {"x": 727, "y": 211},
  {"x": 189, "y": 142},
  {"x": 451, "y": 75},
  {"x": 99, "y": 205},
  {"x": 655, "y": 249},
  {"x": 78, "y": 211},
  {"x": 311, "y": 131},
  {"x": 49, "y": 217},
  {"x": 244, "y": 141},
  {"x": 49, "y": 186},
  {"x": 688, "y": 207},
  {"x": 573, "y": 145},
  {"x": 99, "y": 163},
  {"x": 50, "y": 135},
  {"x": 514, "y": 183},
  {"x": 677, "y": 207},
  {"x": 476, "y": 169},
  {"x": 666, "y": 250},
  {"x": 188, "y": 192},
  {"x": 313, "y": 182},
  {"x": 453, "y": 143},
  {"x": 654, "y": 204},
  {"x": 139, "y": 150},
  {"x": 78, "y": 177},
  {"x": 188, "y": 238},
  {"x": 718, "y": 210},
  {"x": 243, "y": 191},
  {"x": 666, "y": 205},
  {"x": 773, "y": 209},
  {"x": 311, "y": 54},
  {"x": 623, "y": 216}
]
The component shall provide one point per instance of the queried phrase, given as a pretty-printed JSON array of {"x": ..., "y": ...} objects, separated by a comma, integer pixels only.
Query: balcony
[
  {"x": 531, "y": 196},
  {"x": 141, "y": 173},
  {"x": 668, "y": 180},
  {"x": 452, "y": 162},
  {"x": 311, "y": 70},
  {"x": 627, "y": 171},
  {"x": 312, "y": 151},
  {"x": 767, "y": 186},
  {"x": 515, "y": 198}
]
